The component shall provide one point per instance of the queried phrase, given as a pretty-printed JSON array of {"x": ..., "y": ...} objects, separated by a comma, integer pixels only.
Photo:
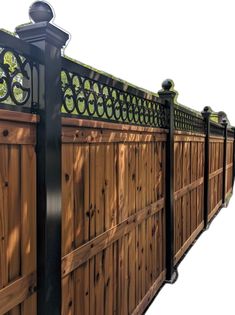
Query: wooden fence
[
  {"x": 188, "y": 190},
  {"x": 113, "y": 217},
  {"x": 17, "y": 213},
  {"x": 102, "y": 197}
]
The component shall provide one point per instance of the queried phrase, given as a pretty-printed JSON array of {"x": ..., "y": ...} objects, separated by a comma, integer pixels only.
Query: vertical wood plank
[
  {"x": 67, "y": 225},
  {"x": 14, "y": 218},
  {"x": 122, "y": 215},
  {"x": 28, "y": 214},
  {"x": 109, "y": 222},
  {"x": 92, "y": 209},
  {"x": 81, "y": 224},
  {"x": 3, "y": 215},
  {"x": 99, "y": 228},
  {"x": 132, "y": 234}
]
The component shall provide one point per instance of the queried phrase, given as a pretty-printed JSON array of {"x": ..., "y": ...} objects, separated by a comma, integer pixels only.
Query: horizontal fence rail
[{"x": 104, "y": 187}]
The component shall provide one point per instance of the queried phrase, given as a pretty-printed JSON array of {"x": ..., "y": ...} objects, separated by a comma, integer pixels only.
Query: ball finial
[
  {"x": 40, "y": 11},
  {"x": 167, "y": 84},
  {"x": 206, "y": 109}
]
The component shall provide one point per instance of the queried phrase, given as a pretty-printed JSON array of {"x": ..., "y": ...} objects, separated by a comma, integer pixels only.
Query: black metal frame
[
  {"x": 20, "y": 73},
  {"x": 168, "y": 96},
  {"x": 89, "y": 94},
  {"x": 49, "y": 40},
  {"x": 187, "y": 120}
]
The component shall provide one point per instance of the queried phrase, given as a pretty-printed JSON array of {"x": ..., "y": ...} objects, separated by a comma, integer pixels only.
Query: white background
[{"x": 145, "y": 42}]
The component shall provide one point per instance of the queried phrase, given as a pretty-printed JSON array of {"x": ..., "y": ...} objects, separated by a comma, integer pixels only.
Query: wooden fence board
[{"x": 17, "y": 215}]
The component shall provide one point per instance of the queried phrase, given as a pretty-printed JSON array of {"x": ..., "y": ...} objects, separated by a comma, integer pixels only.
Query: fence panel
[
  {"x": 216, "y": 173},
  {"x": 188, "y": 189},
  {"x": 17, "y": 213},
  {"x": 113, "y": 217}
]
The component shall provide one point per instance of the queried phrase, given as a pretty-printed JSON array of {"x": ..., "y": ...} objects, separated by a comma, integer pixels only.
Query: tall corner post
[
  {"x": 167, "y": 95},
  {"x": 206, "y": 113},
  {"x": 225, "y": 124},
  {"x": 50, "y": 40}
]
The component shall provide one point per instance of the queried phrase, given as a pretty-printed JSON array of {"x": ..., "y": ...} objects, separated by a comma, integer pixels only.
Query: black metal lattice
[
  {"x": 16, "y": 79},
  {"x": 91, "y": 99},
  {"x": 187, "y": 120},
  {"x": 216, "y": 129},
  {"x": 230, "y": 133}
]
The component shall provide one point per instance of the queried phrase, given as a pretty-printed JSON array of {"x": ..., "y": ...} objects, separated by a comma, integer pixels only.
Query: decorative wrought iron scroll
[
  {"x": 19, "y": 73},
  {"x": 91, "y": 99},
  {"x": 216, "y": 129},
  {"x": 16, "y": 78},
  {"x": 187, "y": 120}
]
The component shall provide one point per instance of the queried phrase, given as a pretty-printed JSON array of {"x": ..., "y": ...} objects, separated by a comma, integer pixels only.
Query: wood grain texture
[
  {"x": 17, "y": 213},
  {"x": 188, "y": 188},
  {"x": 119, "y": 197},
  {"x": 16, "y": 292}
]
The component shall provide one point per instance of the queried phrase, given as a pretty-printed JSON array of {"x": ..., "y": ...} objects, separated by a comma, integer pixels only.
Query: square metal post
[
  {"x": 167, "y": 94},
  {"x": 206, "y": 113},
  {"x": 50, "y": 40},
  {"x": 233, "y": 128}
]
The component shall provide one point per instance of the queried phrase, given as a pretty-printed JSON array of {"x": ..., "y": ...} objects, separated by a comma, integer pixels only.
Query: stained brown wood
[
  {"x": 188, "y": 243},
  {"x": 68, "y": 285},
  {"x": 107, "y": 125},
  {"x": 188, "y": 188},
  {"x": 18, "y": 116},
  {"x": 3, "y": 215},
  {"x": 149, "y": 295},
  {"x": 17, "y": 213},
  {"x": 28, "y": 215},
  {"x": 17, "y": 133},
  {"x": 89, "y": 135},
  {"x": 16, "y": 292},
  {"x": 14, "y": 219}
]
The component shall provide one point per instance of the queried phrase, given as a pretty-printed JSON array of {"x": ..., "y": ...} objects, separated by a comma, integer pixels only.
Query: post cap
[
  {"x": 40, "y": 11},
  {"x": 168, "y": 84},
  {"x": 207, "y": 111},
  {"x": 224, "y": 122}
]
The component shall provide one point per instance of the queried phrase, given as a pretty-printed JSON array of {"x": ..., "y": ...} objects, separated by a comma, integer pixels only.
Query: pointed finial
[{"x": 40, "y": 11}]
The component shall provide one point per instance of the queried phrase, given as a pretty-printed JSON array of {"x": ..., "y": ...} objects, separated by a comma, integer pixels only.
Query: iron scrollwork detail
[
  {"x": 187, "y": 120},
  {"x": 91, "y": 99},
  {"x": 15, "y": 78},
  {"x": 216, "y": 129}
]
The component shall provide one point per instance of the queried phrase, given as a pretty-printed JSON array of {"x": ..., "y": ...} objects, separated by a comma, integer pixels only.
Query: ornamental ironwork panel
[
  {"x": 230, "y": 133},
  {"x": 186, "y": 120},
  {"x": 19, "y": 69},
  {"x": 216, "y": 129},
  {"x": 88, "y": 98}
]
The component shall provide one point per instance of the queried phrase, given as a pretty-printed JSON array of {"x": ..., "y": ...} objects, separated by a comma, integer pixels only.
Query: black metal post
[
  {"x": 168, "y": 96},
  {"x": 206, "y": 113},
  {"x": 233, "y": 128},
  {"x": 225, "y": 124},
  {"x": 50, "y": 40}
]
